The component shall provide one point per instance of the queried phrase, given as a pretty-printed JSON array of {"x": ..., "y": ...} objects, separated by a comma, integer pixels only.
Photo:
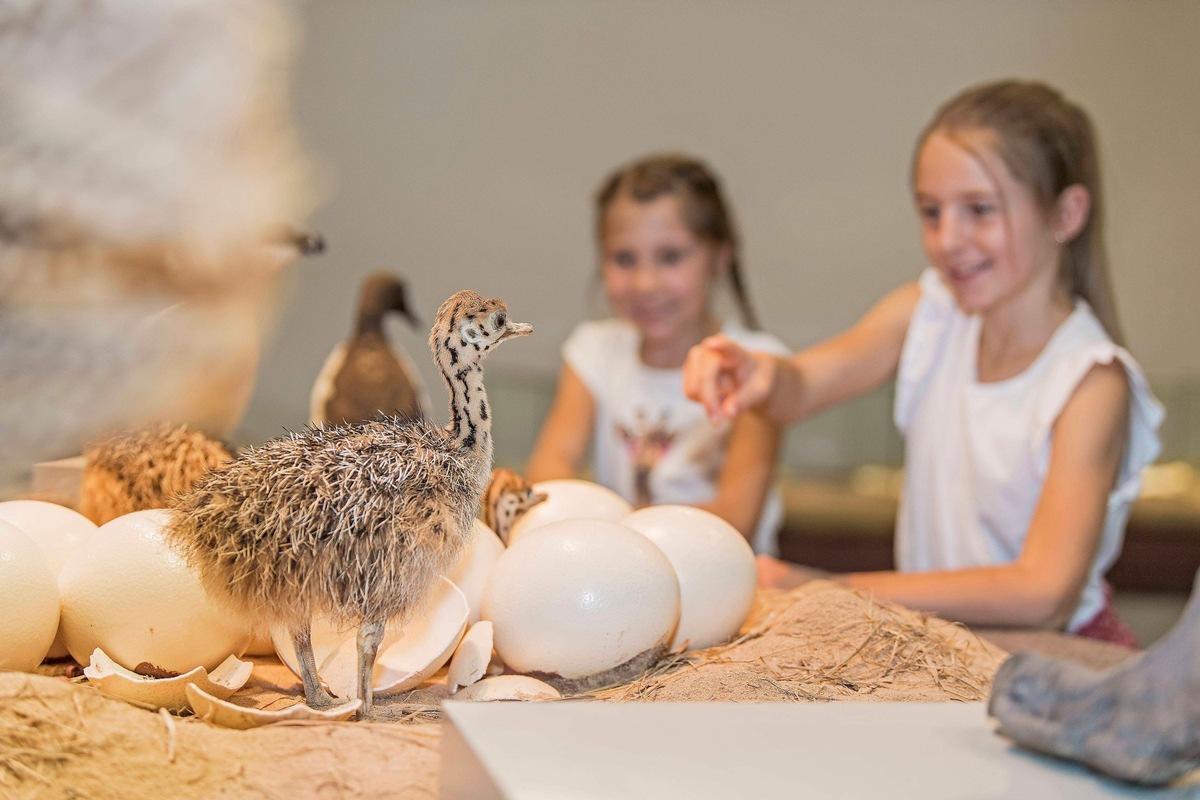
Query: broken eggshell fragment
[
  {"x": 170, "y": 693},
  {"x": 410, "y": 653},
  {"x": 509, "y": 687},
  {"x": 472, "y": 656},
  {"x": 219, "y": 711}
]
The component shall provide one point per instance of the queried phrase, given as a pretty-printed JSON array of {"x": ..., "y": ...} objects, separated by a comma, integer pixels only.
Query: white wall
[{"x": 462, "y": 142}]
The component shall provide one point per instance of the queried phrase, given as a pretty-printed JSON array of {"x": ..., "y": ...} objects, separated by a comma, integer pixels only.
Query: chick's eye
[{"x": 498, "y": 319}]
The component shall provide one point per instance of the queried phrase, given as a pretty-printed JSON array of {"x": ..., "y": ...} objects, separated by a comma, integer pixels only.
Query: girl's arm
[
  {"x": 563, "y": 442},
  {"x": 729, "y": 379},
  {"x": 747, "y": 474},
  {"x": 1041, "y": 588}
]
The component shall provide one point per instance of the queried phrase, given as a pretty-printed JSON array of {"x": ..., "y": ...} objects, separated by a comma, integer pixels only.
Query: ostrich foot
[
  {"x": 1137, "y": 721},
  {"x": 315, "y": 695}
]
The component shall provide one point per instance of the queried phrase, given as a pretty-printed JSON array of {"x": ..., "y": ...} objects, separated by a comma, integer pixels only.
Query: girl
[
  {"x": 666, "y": 239},
  {"x": 1026, "y": 423}
]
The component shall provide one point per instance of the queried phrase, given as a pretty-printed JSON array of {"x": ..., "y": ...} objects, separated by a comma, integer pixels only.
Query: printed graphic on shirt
[{"x": 646, "y": 443}]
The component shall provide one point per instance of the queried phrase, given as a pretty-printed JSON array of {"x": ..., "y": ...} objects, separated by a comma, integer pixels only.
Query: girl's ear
[{"x": 1071, "y": 212}]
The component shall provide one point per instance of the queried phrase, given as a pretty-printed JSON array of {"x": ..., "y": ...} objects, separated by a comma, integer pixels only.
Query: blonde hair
[
  {"x": 700, "y": 202},
  {"x": 1048, "y": 144}
]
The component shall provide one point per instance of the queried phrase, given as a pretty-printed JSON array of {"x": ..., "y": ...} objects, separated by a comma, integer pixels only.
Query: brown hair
[
  {"x": 1048, "y": 144},
  {"x": 700, "y": 201}
]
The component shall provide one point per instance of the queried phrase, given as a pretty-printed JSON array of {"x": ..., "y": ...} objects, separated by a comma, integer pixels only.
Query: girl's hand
[{"x": 726, "y": 377}]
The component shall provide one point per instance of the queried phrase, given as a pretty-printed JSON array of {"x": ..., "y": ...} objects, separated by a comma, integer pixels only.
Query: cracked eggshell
[
  {"x": 478, "y": 558},
  {"x": 570, "y": 498},
  {"x": 219, "y": 711},
  {"x": 509, "y": 687},
  {"x": 170, "y": 693},
  {"x": 579, "y": 597},
  {"x": 714, "y": 564},
  {"x": 29, "y": 599},
  {"x": 472, "y": 656},
  {"x": 409, "y": 653},
  {"x": 128, "y": 593},
  {"x": 57, "y": 530}
]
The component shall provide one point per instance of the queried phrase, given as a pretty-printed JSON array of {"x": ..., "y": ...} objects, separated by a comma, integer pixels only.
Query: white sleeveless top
[
  {"x": 647, "y": 432},
  {"x": 976, "y": 453}
]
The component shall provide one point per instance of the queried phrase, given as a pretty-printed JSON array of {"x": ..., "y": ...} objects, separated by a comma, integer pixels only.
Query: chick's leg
[
  {"x": 314, "y": 694},
  {"x": 370, "y": 634}
]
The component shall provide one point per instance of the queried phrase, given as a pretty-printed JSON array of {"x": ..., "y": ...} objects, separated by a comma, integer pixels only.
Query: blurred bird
[{"x": 365, "y": 376}]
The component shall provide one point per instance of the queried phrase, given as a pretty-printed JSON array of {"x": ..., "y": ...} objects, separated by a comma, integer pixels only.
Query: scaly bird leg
[
  {"x": 370, "y": 634},
  {"x": 1138, "y": 721},
  {"x": 314, "y": 694}
]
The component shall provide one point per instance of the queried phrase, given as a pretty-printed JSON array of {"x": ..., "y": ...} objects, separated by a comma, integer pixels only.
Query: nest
[{"x": 822, "y": 642}]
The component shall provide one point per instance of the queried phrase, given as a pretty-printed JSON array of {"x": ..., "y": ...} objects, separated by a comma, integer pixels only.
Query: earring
[{"x": 1060, "y": 237}]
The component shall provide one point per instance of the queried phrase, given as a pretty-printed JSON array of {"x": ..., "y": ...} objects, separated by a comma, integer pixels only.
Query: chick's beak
[{"x": 517, "y": 329}]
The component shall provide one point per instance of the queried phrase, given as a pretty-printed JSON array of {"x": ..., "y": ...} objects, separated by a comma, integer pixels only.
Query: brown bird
[
  {"x": 145, "y": 468},
  {"x": 352, "y": 522},
  {"x": 507, "y": 499},
  {"x": 365, "y": 376}
]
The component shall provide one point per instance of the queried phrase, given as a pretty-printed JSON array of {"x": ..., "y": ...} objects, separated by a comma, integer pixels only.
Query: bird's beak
[
  {"x": 537, "y": 497},
  {"x": 517, "y": 329}
]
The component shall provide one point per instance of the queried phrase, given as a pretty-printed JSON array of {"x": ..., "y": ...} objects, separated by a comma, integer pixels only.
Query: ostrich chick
[
  {"x": 353, "y": 522},
  {"x": 507, "y": 499}
]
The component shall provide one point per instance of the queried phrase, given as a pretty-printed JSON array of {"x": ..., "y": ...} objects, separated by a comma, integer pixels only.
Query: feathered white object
[{"x": 148, "y": 160}]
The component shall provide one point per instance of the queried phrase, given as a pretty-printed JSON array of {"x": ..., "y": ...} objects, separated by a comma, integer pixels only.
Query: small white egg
[
  {"x": 475, "y": 564},
  {"x": 578, "y": 598},
  {"x": 570, "y": 498},
  {"x": 715, "y": 567},
  {"x": 29, "y": 598},
  {"x": 127, "y": 592},
  {"x": 57, "y": 530}
]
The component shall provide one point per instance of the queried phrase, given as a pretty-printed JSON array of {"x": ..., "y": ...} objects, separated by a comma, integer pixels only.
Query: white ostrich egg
[
  {"x": 578, "y": 597},
  {"x": 570, "y": 498},
  {"x": 714, "y": 564},
  {"x": 126, "y": 592},
  {"x": 57, "y": 530},
  {"x": 29, "y": 598},
  {"x": 479, "y": 556}
]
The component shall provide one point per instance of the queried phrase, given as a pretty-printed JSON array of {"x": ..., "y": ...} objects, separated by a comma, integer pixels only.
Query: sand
[{"x": 61, "y": 738}]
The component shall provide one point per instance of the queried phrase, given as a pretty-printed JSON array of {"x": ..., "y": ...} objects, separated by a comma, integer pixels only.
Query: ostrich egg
[
  {"x": 471, "y": 573},
  {"x": 579, "y": 597},
  {"x": 126, "y": 592},
  {"x": 570, "y": 498},
  {"x": 715, "y": 567},
  {"x": 57, "y": 530},
  {"x": 29, "y": 597}
]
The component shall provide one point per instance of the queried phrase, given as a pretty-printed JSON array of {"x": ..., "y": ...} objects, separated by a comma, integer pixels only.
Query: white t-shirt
[
  {"x": 650, "y": 443},
  {"x": 977, "y": 453}
]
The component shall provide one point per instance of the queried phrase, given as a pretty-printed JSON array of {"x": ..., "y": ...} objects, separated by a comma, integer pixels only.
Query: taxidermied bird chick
[
  {"x": 365, "y": 376},
  {"x": 352, "y": 522},
  {"x": 507, "y": 499}
]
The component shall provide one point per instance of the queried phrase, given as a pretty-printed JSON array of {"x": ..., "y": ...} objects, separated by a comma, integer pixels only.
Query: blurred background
[{"x": 459, "y": 144}]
